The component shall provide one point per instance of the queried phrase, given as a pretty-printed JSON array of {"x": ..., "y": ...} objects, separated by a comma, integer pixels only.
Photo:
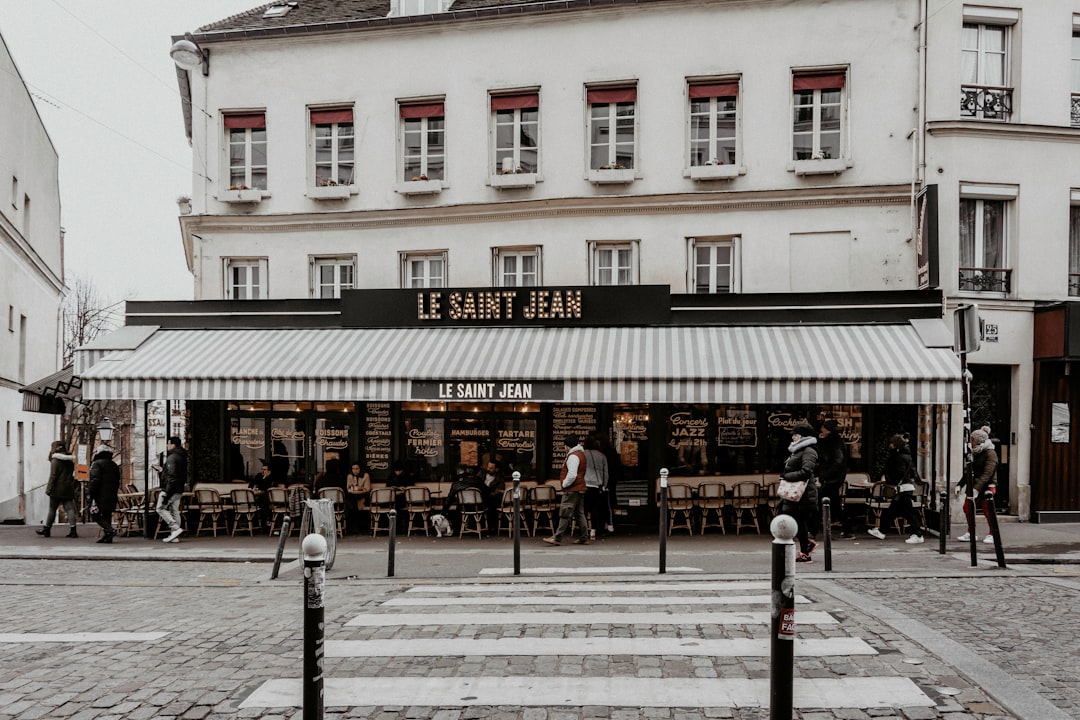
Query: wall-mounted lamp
[{"x": 188, "y": 55}]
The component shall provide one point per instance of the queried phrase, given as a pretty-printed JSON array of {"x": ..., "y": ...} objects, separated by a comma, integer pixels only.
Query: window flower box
[
  {"x": 421, "y": 186},
  {"x": 513, "y": 180},
  {"x": 331, "y": 192},
  {"x": 241, "y": 195},
  {"x": 715, "y": 172},
  {"x": 612, "y": 175},
  {"x": 820, "y": 166}
]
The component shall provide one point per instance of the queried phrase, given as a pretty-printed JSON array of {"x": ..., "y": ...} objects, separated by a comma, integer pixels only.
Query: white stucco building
[{"x": 31, "y": 292}]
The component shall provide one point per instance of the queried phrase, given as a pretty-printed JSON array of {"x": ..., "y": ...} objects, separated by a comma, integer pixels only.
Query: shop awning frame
[
  {"x": 802, "y": 364},
  {"x": 48, "y": 394}
]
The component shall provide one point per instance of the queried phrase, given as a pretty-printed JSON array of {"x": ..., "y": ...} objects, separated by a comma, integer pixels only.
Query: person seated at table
[
  {"x": 331, "y": 477},
  {"x": 492, "y": 485},
  {"x": 260, "y": 484},
  {"x": 462, "y": 479},
  {"x": 358, "y": 486},
  {"x": 400, "y": 477}
]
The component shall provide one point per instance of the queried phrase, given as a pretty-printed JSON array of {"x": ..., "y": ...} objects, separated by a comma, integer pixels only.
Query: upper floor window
[
  {"x": 423, "y": 141},
  {"x": 245, "y": 278},
  {"x": 712, "y": 265},
  {"x": 818, "y": 113},
  {"x": 713, "y": 117},
  {"x": 1074, "y": 115},
  {"x": 614, "y": 263},
  {"x": 984, "y": 63},
  {"x": 334, "y": 146},
  {"x": 1074, "y": 246},
  {"x": 984, "y": 225},
  {"x": 612, "y": 127},
  {"x": 246, "y": 136},
  {"x": 329, "y": 276},
  {"x": 517, "y": 267},
  {"x": 423, "y": 270},
  {"x": 516, "y": 120}
]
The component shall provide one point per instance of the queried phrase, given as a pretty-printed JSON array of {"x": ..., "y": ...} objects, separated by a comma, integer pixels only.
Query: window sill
[
  {"x": 331, "y": 192},
  {"x": 513, "y": 180},
  {"x": 617, "y": 176},
  {"x": 419, "y": 187},
  {"x": 248, "y": 195},
  {"x": 832, "y": 166},
  {"x": 716, "y": 172}
]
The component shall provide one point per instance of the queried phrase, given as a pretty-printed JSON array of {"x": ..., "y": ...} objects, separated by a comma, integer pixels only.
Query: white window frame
[
  {"x": 602, "y": 254},
  {"x": 341, "y": 264},
  {"x": 339, "y": 134},
  {"x": 424, "y": 155},
  {"x": 1074, "y": 114},
  {"x": 984, "y": 19},
  {"x": 260, "y": 289},
  {"x": 245, "y": 137},
  {"x": 733, "y": 244},
  {"x": 609, "y": 120},
  {"x": 501, "y": 254},
  {"x": 1074, "y": 252},
  {"x": 516, "y": 123},
  {"x": 816, "y": 131},
  {"x": 427, "y": 279},
  {"x": 980, "y": 194},
  {"x": 713, "y": 113}
]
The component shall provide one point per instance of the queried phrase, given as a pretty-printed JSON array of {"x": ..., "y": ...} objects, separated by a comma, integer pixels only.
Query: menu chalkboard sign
[
  {"x": 737, "y": 430},
  {"x": 377, "y": 438},
  {"x": 567, "y": 420}
]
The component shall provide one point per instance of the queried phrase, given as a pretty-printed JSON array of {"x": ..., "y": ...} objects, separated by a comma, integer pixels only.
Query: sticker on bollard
[
  {"x": 787, "y": 624},
  {"x": 316, "y": 577}
]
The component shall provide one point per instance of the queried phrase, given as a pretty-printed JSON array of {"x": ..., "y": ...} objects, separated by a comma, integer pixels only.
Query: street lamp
[
  {"x": 105, "y": 430},
  {"x": 187, "y": 54}
]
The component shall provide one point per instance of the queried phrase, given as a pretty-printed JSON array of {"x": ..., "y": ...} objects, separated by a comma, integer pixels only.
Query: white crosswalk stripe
[
  {"x": 606, "y": 635},
  {"x": 81, "y": 637}
]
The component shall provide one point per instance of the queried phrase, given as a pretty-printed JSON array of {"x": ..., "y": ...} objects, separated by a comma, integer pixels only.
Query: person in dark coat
[
  {"x": 104, "y": 487},
  {"x": 983, "y": 474},
  {"x": 900, "y": 473},
  {"x": 802, "y": 465},
  {"x": 832, "y": 472},
  {"x": 173, "y": 482},
  {"x": 60, "y": 489}
]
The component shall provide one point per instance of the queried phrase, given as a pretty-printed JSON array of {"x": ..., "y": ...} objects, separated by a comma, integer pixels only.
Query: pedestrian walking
[
  {"x": 900, "y": 474},
  {"x": 832, "y": 472},
  {"x": 60, "y": 489},
  {"x": 104, "y": 486},
  {"x": 983, "y": 473},
  {"x": 173, "y": 479},
  {"x": 801, "y": 466},
  {"x": 596, "y": 484},
  {"x": 572, "y": 507}
]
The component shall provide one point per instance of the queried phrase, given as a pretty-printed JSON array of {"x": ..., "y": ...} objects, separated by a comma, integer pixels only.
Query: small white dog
[{"x": 442, "y": 526}]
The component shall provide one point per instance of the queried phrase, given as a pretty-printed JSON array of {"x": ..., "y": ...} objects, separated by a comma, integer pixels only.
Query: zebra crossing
[{"x": 610, "y": 644}]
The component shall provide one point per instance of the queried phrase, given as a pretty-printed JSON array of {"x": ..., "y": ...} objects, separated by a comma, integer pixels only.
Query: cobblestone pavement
[{"x": 230, "y": 630}]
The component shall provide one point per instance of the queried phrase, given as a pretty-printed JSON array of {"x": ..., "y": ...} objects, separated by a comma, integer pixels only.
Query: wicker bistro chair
[
  {"x": 769, "y": 499},
  {"x": 244, "y": 510},
  {"x": 710, "y": 502},
  {"x": 881, "y": 496},
  {"x": 381, "y": 502},
  {"x": 919, "y": 502},
  {"x": 473, "y": 512},
  {"x": 337, "y": 496},
  {"x": 744, "y": 505},
  {"x": 544, "y": 501},
  {"x": 680, "y": 508},
  {"x": 210, "y": 507},
  {"x": 418, "y": 506},
  {"x": 278, "y": 498},
  {"x": 506, "y": 512}
]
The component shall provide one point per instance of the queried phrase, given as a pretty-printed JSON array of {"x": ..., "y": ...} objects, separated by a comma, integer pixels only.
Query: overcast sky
[{"x": 105, "y": 87}]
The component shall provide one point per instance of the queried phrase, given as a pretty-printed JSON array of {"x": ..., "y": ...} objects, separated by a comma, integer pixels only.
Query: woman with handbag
[
  {"x": 798, "y": 487},
  {"x": 899, "y": 473}
]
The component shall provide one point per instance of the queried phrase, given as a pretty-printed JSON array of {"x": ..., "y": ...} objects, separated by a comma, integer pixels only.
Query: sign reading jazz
[
  {"x": 487, "y": 390},
  {"x": 548, "y": 306}
]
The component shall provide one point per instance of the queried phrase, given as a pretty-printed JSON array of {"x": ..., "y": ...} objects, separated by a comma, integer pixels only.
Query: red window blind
[
  {"x": 711, "y": 90},
  {"x": 611, "y": 95},
  {"x": 252, "y": 120},
  {"x": 329, "y": 117},
  {"x": 819, "y": 82},
  {"x": 515, "y": 102},
  {"x": 429, "y": 110}
]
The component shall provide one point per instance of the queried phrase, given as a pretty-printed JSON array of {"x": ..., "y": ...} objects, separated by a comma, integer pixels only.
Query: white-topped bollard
[
  {"x": 663, "y": 520},
  {"x": 782, "y": 637},
  {"x": 314, "y": 551}
]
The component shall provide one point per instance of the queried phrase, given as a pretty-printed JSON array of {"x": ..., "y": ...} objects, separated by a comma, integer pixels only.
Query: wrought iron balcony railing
[
  {"x": 1074, "y": 114},
  {"x": 996, "y": 280},
  {"x": 985, "y": 103},
  {"x": 1074, "y": 284}
]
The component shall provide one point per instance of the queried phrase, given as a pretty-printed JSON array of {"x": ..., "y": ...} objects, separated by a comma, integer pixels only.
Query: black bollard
[
  {"x": 826, "y": 524},
  {"x": 516, "y": 530},
  {"x": 969, "y": 502},
  {"x": 663, "y": 520},
  {"x": 283, "y": 535},
  {"x": 392, "y": 536},
  {"x": 995, "y": 529},
  {"x": 782, "y": 629},
  {"x": 314, "y": 547},
  {"x": 943, "y": 521}
]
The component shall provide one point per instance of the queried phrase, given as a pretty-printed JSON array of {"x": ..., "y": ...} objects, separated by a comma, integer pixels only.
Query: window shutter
[
  {"x": 251, "y": 120},
  {"x": 329, "y": 117},
  {"x": 515, "y": 102},
  {"x": 819, "y": 82},
  {"x": 429, "y": 110},
  {"x": 598, "y": 96},
  {"x": 711, "y": 90}
]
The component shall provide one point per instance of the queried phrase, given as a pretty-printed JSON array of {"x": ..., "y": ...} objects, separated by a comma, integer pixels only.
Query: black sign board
[
  {"x": 508, "y": 306},
  {"x": 486, "y": 390},
  {"x": 926, "y": 238}
]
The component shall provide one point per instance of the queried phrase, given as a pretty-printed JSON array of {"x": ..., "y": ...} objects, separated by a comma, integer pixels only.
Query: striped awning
[{"x": 842, "y": 364}]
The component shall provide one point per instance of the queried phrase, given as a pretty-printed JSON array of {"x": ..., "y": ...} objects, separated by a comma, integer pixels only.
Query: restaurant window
[
  {"x": 423, "y": 141},
  {"x": 245, "y": 279},
  {"x": 515, "y": 446},
  {"x": 613, "y": 263},
  {"x": 818, "y": 111},
  {"x": 247, "y": 146},
  {"x": 425, "y": 451},
  {"x": 329, "y": 276},
  {"x": 334, "y": 146},
  {"x": 687, "y": 442},
  {"x": 713, "y": 123},
  {"x": 612, "y": 127},
  {"x": 630, "y": 443},
  {"x": 984, "y": 236},
  {"x": 332, "y": 441},
  {"x": 517, "y": 267},
  {"x": 469, "y": 443},
  {"x": 735, "y": 439},
  {"x": 247, "y": 447},
  {"x": 423, "y": 270},
  {"x": 984, "y": 63},
  {"x": 712, "y": 265},
  {"x": 516, "y": 123},
  {"x": 288, "y": 440}
]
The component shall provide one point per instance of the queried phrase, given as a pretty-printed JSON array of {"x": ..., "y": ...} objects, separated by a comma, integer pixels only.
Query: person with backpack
[{"x": 900, "y": 473}]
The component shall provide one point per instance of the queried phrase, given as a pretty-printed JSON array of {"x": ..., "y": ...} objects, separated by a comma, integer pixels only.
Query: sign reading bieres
[{"x": 486, "y": 390}]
